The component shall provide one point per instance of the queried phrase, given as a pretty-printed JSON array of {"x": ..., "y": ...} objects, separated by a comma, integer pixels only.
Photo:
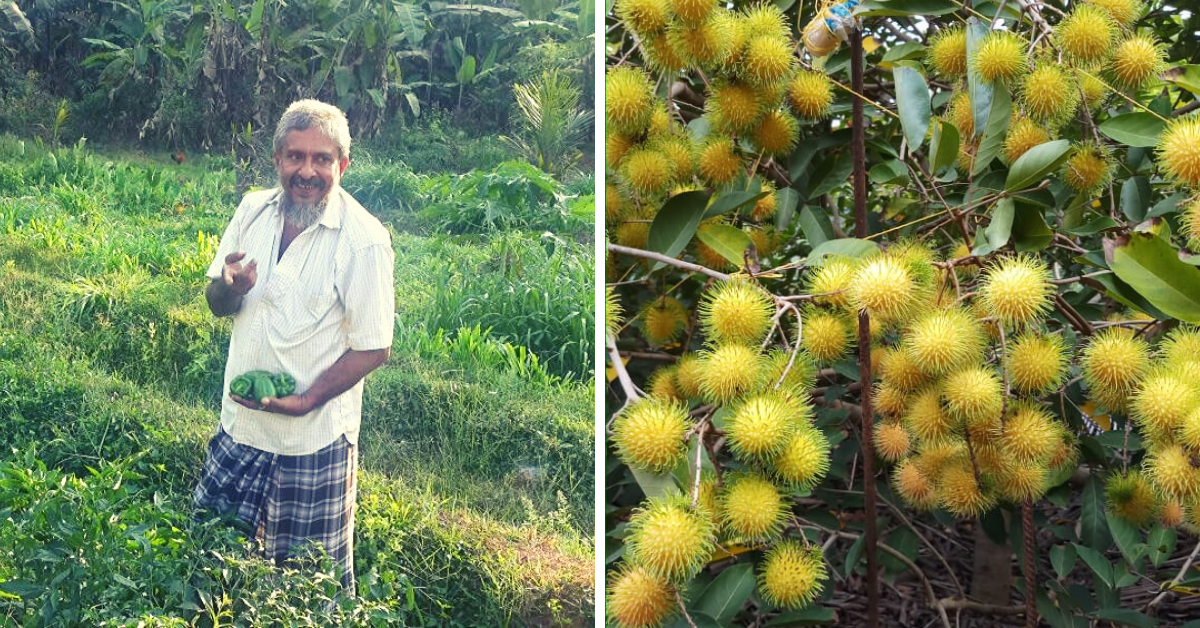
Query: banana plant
[{"x": 139, "y": 47}]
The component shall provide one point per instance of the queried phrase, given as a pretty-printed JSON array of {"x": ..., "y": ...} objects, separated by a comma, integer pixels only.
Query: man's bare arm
[{"x": 337, "y": 379}]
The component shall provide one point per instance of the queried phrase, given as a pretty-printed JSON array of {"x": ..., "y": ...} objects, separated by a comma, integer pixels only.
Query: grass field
[{"x": 475, "y": 503}]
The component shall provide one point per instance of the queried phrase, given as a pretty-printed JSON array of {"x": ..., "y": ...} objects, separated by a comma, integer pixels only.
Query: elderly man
[{"x": 306, "y": 273}]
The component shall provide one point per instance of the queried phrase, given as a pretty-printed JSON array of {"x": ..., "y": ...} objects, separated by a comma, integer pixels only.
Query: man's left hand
[{"x": 291, "y": 405}]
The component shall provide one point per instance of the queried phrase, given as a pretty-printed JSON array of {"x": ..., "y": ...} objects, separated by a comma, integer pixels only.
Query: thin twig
[
  {"x": 659, "y": 257},
  {"x": 1174, "y": 581}
]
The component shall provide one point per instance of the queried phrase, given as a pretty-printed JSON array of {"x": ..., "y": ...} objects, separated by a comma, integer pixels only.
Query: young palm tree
[{"x": 550, "y": 127}]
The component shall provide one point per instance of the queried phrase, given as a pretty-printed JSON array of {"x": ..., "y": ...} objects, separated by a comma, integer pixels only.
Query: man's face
[{"x": 309, "y": 167}]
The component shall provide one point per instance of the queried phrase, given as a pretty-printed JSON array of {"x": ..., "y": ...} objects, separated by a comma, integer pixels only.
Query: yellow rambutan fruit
[
  {"x": 633, "y": 234},
  {"x": 693, "y": 11},
  {"x": 1113, "y": 363},
  {"x": 1136, "y": 60},
  {"x": 660, "y": 121},
  {"x": 898, "y": 370},
  {"x": 1036, "y": 363},
  {"x": 1021, "y": 481},
  {"x": 1123, "y": 12},
  {"x": 989, "y": 457},
  {"x": 973, "y": 395},
  {"x": 791, "y": 574},
  {"x": 1161, "y": 402},
  {"x": 1066, "y": 451},
  {"x": 1017, "y": 290},
  {"x": 764, "y": 207},
  {"x": 662, "y": 320},
  {"x": 1189, "y": 222},
  {"x": 647, "y": 171},
  {"x": 628, "y": 100},
  {"x": 810, "y": 94},
  {"x": 827, "y": 336},
  {"x": 938, "y": 341},
  {"x": 884, "y": 288},
  {"x": 733, "y": 36},
  {"x": 1089, "y": 168},
  {"x": 959, "y": 492},
  {"x": 1048, "y": 93},
  {"x": 913, "y": 486},
  {"x": 752, "y": 508},
  {"x": 947, "y": 52},
  {"x": 636, "y": 598},
  {"x": 1091, "y": 88},
  {"x": 804, "y": 459},
  {"x": 701, "y": 45},
  {"x": 680, "y": 153},
  {"x": 832, "y": 280},
  {"x": 1172, "y": 470},
  {"x": 1029, "y": 434},
  {"x": 889, "y": 401},
  {"x": 1181, "y": 344},
  {"x": 1023, "y": 134},
  {"x": 661, "y": 384},
  {"x": 670, "y": 539},
  {"x": 613, "y": 203},
  {"x": 688, "y": 374},
  {"x": 730, "y": 371},
  {"x": 719, "y": 162},
  {"x": 766, "y": 59},
  {"x": 765, "y": 19},
  {"x": 1086, "y": 35},
  {"x": 736, "y": 310},
  {"x": 891, "y": 441},
  {"x": 648, "y": 434},
  {"x": 1130, "y": 497},
  {"x": 760, "y": 424},
  {"x": 661, "y": 54},
  {"x": 926, "y": 418},
  {"x": 934, "y": 456},
  {"x": 1171, "y": 513},
  {"x": 613, "y": 314},
  {"x": 1000, "y": 56},
  {"x": 959, "y": 113},
  {"x": 797, "y": 371},
  {"x": 615, "y": 148},
  {"x": 734, "y": 107},
  {"x": 1179, "y": 150},
  {"x": 765, "y": 238},
  {"x": 777, "y": 133},
  {"x": 643, "y": 17},
  {"x": 708, "y": 497}
]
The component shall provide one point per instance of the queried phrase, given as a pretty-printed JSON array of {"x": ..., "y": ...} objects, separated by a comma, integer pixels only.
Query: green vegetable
[
  {"x": 284, "y": 384},
  {"x": 263, "y": 387},
  {"x": 241, "y": 386}
]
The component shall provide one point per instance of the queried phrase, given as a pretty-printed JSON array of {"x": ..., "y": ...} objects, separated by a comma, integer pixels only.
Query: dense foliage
[{"x": 1023, "y": 277}]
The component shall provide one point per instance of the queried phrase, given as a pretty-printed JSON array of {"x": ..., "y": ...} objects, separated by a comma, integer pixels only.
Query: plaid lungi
[{"x": 288, "y": 500}]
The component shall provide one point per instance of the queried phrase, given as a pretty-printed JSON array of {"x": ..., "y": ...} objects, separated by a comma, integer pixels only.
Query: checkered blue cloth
[{"x": 288, "y": 501}]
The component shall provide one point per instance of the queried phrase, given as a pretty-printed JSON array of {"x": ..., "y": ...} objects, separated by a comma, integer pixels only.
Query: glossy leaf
[
  {"x": 1036, "y": 163},
  {"x": 786, "y": 201},
  {"x": 1186, "y": 77},
  {"x": 1127, "y": 617},
  {"x": 1152, "y": 268},
  {"x": 898, "y": 8},
  {"x": 1161, "y": 542},
  {"x": 998, "y": 231},
  {"x": 1097, "y": 563},
  {"x": 813, "y": 615},
  {"x": 1093, "y": 529},
  {"x": 814, "y": 222},
  {"x": 1136, "y": 128},
  {"x": 995, "y": 129},
  {"x": 943, "y": 147},
  {"x": 729, "y": 242},
  {"x": 912, "y": 103},
  {"x": 1127, "y": 538},
  {"x": 676, "y": 222},
  {"x": 978, "y": 90},
  {"x": 726, "y": 202},
  {"x": 849, "y": 247},
  {"x": 725, "y": 596},
  {"x": 1029, "y": 229},
  {"x": 830, "y": 173},
  {"x": 655, "y": 484},
  {"x": 1135, "y": 198},
  {"x": 1062, "y": 559}
]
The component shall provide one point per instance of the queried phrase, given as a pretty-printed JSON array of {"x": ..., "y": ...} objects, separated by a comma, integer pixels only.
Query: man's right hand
[{"x": 239, "y": 278}]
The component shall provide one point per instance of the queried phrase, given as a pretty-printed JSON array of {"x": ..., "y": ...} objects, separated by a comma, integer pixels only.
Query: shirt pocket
[{"x": 297, "y": 310}]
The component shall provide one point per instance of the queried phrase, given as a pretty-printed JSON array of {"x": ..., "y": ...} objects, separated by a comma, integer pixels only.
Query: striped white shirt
[{"x": 332, "y": 291}]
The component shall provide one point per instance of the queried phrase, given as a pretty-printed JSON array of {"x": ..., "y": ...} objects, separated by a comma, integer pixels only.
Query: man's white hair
[{"x": 307, "y": 113}]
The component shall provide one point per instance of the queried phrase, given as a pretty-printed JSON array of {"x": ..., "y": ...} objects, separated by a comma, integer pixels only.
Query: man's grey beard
[{"x": 302, "y": 215}]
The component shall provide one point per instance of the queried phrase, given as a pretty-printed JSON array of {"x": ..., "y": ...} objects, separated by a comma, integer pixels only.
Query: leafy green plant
[{"x": 551, "y": 127}]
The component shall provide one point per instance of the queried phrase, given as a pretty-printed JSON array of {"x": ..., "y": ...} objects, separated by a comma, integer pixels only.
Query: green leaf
[
  {"x": 1135, "y": 198},
  {"x": 1120, "y": 292},
  {"x": 1029, "y": 230},
  {"x": 999, "y": 230},
  {"x": 1036, "y": 163},
  {"x": 1127, "y": 538},
  {"x": 655, "y": 484},
  {"x": 996, "y": 127},
  {"x": 853, "y": 555},
  {"x": 943, "y": 148},
  {"x": 813, "y": 615},
  {"x": 1093, "y": 529},
  {"x": 732, "y": 201},
  {"x": 730, "y": 242},
  {"x": 912, "y": 102},
  {"x": 413, "y": 103},
  {"x": 1093, "y": 226},
  {"x": 254, "y": 24},
  {"x": 905, "y": 50},
  {"x": 1137, "y": 128},
  {"x": 1152, "y": 268},
  {"x": 1161, "y": 542},
  {"x": 849, "y": 247},
  {"x": 1186, "y": 77},
  {"x": 890, "y": 171},
  {"x": 466, "y": 72},
  {"x": 1097, "y": 563},
  {"x": 676, "y": 222},
  {"x": 829, "y": 174},
  {"x": 699, "y": 620},
  {"x": 896, "y": 8},
  {"x": 728, "y": 593},
  {"x": 786, "y": 201},
  {"x": 815, "y": 224},
  {"x": 1062, "y": 558},
  {"x": 1126, "y": 616},
  {"x": 979, "y": 91}
]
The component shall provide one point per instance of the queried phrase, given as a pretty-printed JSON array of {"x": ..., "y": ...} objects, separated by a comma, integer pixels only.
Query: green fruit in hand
[
  {"x": 284, "y": 384},
  {"x": 241, "y": 386},
  {"x": 255, "y": 385},
  {"x": 263, "y": 387}
]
